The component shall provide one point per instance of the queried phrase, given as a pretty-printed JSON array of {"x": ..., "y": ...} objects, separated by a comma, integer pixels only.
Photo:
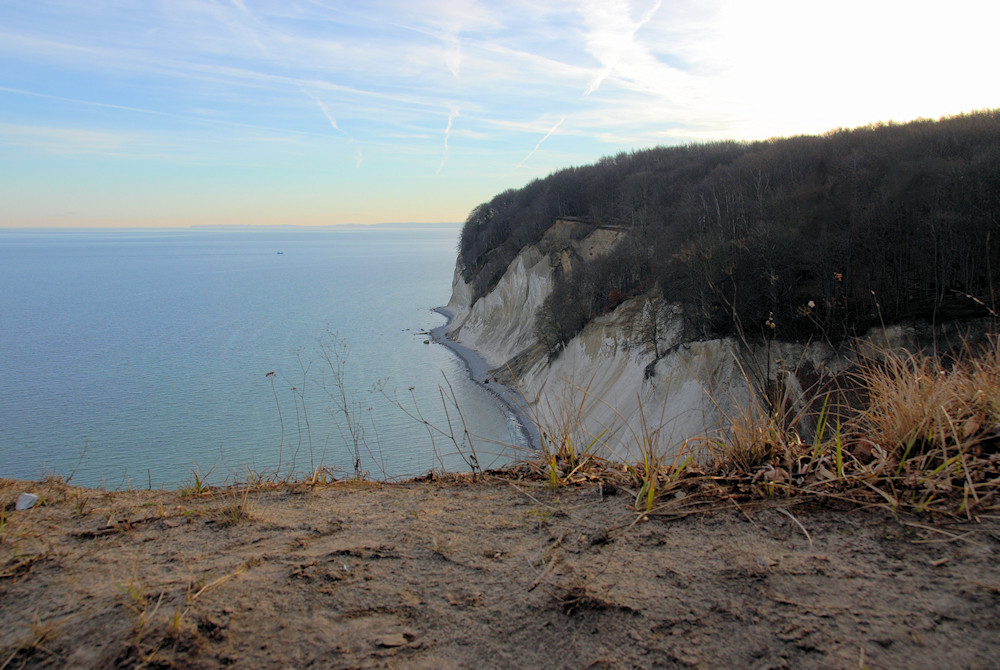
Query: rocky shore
[{"x": 510, "y": 399}]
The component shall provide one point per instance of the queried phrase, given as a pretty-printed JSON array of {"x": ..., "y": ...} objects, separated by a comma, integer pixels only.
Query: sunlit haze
[{"x": 315, "y": 112}]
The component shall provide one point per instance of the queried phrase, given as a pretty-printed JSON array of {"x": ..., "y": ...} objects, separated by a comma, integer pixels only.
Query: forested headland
[{"x": 809, "y": 236}]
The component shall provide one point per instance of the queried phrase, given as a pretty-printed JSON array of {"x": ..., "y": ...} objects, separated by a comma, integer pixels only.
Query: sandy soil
[{"x": 496, "y": 573}]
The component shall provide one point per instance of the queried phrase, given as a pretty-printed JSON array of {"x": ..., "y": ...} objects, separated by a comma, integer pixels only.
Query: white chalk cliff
[{"x": 608, "y": 383}]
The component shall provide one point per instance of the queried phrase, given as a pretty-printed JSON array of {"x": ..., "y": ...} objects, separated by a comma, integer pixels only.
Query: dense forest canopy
[{"x": 793, "y": 238}]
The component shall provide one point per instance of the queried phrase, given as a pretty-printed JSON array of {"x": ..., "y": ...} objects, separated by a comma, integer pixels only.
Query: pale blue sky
[{"x": 192, "y": 112}]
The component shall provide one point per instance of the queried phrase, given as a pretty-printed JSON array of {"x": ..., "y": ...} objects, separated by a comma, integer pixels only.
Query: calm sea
[{"x": 139, "y": 357}]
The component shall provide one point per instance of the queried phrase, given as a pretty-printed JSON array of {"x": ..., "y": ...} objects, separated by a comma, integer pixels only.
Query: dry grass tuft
[
  {"x": 935, "y": 425},
  {"x": 569, "y": 452},
  {"x": 33, "y": 648},
  {"x": 920, "y": 435},
  {"x": 238, "y": 509},
  {"x": 925, "y": 438}
]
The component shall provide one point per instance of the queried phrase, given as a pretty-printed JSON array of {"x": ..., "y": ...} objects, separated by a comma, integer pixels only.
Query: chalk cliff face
[
  {"x": 501, "y": 325},
  {"x": 608, "y": 384}
]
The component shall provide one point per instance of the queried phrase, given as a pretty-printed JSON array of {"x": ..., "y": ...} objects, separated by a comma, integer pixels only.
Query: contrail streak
[
  {"x": 358, "y": 156},
  {"x": 327, "y": 114},
  {"x": 452, "y": 113},
  {"x": 547, "y": 135}
]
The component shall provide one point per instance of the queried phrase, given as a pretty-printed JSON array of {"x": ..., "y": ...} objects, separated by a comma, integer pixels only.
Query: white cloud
[
  {"x": 171, "y": 78},
  {"x": 453, "y": 55},
  {"x": 58, "y": 140},
  {"x": 780, "y": 67},
  {"x": 611, "y": 38}
]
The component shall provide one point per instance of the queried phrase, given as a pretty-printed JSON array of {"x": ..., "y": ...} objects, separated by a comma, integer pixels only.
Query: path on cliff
[{"x": 495, "y": 573}]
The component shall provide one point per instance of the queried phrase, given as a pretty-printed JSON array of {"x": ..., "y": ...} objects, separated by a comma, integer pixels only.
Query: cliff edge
[
  {"x": 635, "y": 377},
  {"x": 620, "y": 381}
]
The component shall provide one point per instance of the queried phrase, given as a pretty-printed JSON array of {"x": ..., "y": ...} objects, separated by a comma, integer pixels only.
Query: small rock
[
  {"x": 26, "y": 501},
  {"x": 600, "y": 537},
  {"x": 393, "y": 640}
]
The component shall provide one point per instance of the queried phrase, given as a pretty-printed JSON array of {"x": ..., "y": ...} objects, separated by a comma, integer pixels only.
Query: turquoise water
[{"x": 138, "y": 357}]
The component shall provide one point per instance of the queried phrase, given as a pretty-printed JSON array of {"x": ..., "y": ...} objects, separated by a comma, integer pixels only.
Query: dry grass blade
[
  {"x": 216, "y": 583},
  {"x": 797, "y": 523}
]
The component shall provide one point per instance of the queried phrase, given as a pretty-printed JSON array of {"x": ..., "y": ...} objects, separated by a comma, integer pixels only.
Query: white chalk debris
[{"x": 26, "y": 501}]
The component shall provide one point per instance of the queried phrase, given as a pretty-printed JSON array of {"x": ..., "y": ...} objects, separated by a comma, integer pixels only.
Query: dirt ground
[{"x": 496, "y": 573}]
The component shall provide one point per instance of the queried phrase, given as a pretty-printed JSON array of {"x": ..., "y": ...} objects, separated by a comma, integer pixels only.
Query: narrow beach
[{"x": 510, "y": 399}]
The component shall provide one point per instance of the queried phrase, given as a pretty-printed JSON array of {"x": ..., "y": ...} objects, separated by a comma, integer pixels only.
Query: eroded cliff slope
[
  {"x": 714, "y": 259},
  {"x": 631, "y": 375}
]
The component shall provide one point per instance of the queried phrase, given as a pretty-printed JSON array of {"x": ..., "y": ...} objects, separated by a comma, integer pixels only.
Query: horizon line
[{"x": 223, "y": 226}]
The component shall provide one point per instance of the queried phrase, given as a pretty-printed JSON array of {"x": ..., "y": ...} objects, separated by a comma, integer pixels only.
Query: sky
[{"x": 318, "y": 112}]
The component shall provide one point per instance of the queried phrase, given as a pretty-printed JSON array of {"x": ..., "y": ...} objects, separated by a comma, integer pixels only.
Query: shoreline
[{"x": 511, "y": 402}]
